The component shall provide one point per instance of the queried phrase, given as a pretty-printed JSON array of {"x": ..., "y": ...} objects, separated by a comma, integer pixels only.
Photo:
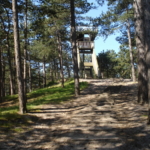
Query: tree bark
[
  {"x": 51, "y": 72},
  {"x": 39, "y": 74},
  {"x": 147, "y": 47},
  {"x": 30, "y": 75},
  {"x": 55, "y": 69},
  {"x": 44, "y": 73},
  {"x": 68, "y": 69},
  {"x": 8, "y": 51},
  {"x": 22, "y": 100},
  {"x": 25, "y": 50},
  {"x": 148, "y": 83},
  {"x": 14, "y": 75},
  {"x": 60, "y": 58},
  {"x": 130, "y": 51},
  {"x": 74, "y": 49},
  {"x": 3, "y": 75},
  {"x": 140, "y": 44},
  {"x": 1, "y": 97}
]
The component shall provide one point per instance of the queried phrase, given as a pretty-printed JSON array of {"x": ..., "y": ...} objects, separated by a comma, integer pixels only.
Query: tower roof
[{"x": 86, "y": 29}]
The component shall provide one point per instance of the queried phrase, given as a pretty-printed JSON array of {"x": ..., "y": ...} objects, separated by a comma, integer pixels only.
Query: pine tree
[
  {"x": 22, "y": 99},
  {"x": 74, "y": 48},
  {"x": 119, "y": 17},
  {"x": 140, "y": 44},
  {"x": 147, "y": 47}
]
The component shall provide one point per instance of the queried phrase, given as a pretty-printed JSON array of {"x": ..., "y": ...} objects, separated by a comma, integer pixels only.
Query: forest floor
[{"x": 106, "y": 116}]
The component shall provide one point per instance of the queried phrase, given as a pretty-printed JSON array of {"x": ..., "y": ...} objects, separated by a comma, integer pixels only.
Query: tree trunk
[
  {"x": 51, "y": 72},
  {"x": 130, "y": 51},
  {"x": 44, "y": 73},
  {"x": 25, "y": 50},
  {"x": 148, "y": 83},
  {"x": 68, "y": 69},
  {"x": 1, "y": 97},
  {"x": 12, "y": 87},
  {"x": 30, "y": 75},
  {"x": 14, "y": 75},
  {"x": 140, "y": 44},
  {"x": 8, "y": 51},
  {"x": 55, "y": 69},
  {"x": 147, "y": 46},
  {"x": 74, "y": 49},
  {"x": 60, "y": 58},
  {"x": 22, "y": 99},
  {"x": 3, "y": 76},
  {"x": 39, "y": 75}
]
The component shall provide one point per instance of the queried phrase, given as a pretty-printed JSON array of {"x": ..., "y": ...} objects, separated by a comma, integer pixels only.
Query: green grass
[
  {"x": 9, "y": 117},
  {"x": 15, "y": 122},
  {"x": 11, "y": 97},
  {"x": 53, "y": 95}
]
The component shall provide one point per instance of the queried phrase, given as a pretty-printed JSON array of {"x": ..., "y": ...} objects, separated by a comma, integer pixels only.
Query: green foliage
[
  {"x": 124, "y": 67},
  {"x": 107, "y": 62},
  {"x": 115, "y": 18},
  {"x": 117, "y": 65}
]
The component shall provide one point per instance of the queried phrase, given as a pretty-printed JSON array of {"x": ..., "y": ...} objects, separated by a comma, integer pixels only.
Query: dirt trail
[{"x": 105, "y": 117}]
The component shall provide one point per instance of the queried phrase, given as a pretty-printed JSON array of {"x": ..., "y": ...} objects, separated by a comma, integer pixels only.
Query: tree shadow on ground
[{"x": 90, "y": 126}]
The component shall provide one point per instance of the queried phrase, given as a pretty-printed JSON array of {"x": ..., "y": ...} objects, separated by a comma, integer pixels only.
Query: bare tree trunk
[
  {"x": 14, "y": 75},
  {"x": 1, "y": 97},
  {"x": 55, "y": 69},
  {"x": 51, "y": 73},
  {"x": 140, "y": 44},
  {"x": 68, "y": 67},
  {"x": 8, "y": 51},
  {"x": 68, "y": 70},
  {"x": 3, "y": 76},
  {"x": 74, "y": 49},
  {"x": 30, "y": 75},
  {"x": 60, "y": 58},
  {"x": 44, "y": 73},
  {"x": 39, "y": 75},
  {"x": 130, "y": 51},
  {"x": 148, "y": 83},
  {"x": 10, "y": 69},
  {"x": 22, "y": 99},
  {"x": 147, "y": 46},
  {"x": 25, "y": 50}
]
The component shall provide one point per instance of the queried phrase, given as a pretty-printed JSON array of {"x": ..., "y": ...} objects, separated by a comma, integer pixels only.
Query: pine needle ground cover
[{"x": 9, "y": 117}]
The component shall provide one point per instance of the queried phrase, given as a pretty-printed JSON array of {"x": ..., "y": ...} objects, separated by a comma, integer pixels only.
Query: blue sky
[{"x": 101, "y": 44}]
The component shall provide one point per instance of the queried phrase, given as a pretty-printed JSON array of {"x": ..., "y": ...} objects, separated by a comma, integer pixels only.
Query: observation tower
[{"x": 87, "y": 60}]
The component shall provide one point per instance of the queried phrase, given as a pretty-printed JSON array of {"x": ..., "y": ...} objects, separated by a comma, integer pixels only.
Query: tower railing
[{"x": 85, "y": 45}]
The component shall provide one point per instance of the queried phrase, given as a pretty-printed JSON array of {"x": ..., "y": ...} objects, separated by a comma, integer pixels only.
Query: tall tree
[
  {"x": 147, "y": 46},
  {"x": 60, "y": 57},
  {"x": 6, "y": 25},
  {"x": 1, "y": 75},
  {"x": 140, "y": 44},
  {"x": 130, "y": 50},
  {"x": 120, "y": 17},
  {"x": 25, "y": 48},
  {"x": 22, "y": 99},
  {"x": 74, "y": 48}
]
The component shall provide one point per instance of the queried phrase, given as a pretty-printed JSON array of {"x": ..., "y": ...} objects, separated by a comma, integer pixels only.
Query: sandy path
[{"x": 105, "y": 117}]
